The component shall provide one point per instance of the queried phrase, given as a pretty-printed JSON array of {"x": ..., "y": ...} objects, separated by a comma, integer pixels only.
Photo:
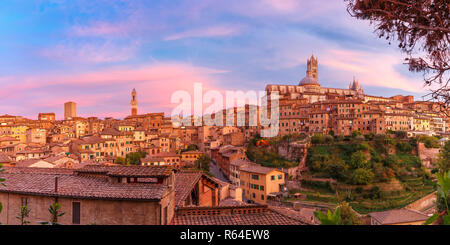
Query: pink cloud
[
  {"x": 375, "y": 69},
  {"x": 104, "y": 52},
  {"x": 154, "y": 83},
  {"x": 100, "y": 29},
  {"x": 213, "y": 31}
]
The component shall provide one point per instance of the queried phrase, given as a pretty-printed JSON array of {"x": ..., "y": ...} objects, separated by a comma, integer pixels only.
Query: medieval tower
[
  {"x": 312, "y": 68},
  {"x": 134, "y": 103}
]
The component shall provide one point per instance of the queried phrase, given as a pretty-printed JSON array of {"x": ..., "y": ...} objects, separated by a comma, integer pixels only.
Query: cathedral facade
[{"x": 310, "y": 89}]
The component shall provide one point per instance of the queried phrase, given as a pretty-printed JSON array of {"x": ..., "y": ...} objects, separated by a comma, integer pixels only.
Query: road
[{"x": 215, "y": 170}]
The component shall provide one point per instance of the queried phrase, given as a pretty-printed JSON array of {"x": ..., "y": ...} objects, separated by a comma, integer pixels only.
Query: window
[
  {"x": 164, "y": 219},
  {"x": 261, "y": 188},
  {"x": 255, "y": 177},
  {"x": 280, "y": 176},
  {"x": 24, "y": 201},
  {"x": 272, "y": 177},
  {"x": 76, "y": 213},
  {"x": 262, "y": 197}
]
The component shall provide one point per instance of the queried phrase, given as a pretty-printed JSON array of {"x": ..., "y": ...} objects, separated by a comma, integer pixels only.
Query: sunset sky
[{"x": 95, "y": 52}]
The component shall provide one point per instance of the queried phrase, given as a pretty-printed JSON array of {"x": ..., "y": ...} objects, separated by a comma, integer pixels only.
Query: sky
[{"x": 94, "y": 52}]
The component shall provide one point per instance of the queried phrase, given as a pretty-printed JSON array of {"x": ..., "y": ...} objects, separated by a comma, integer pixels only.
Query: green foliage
[
  {"x": 400, "y": 134},
  {"x": 328, "y": 139},
  {"x": 359, "y": 160},
  {"x": 356, "y": 133},
  {"x": 348, "y": 215},
  {"x": 337, "y": 168},
  {"x": 391, "y": 161},
  {"x": 362, "y": 176},
  {"x": 134, "y": 158},
  {"x": 443, "y": 187},
  {"x": 268, "y": 156},
  {"x": 443, "y": 190},
  {"x": 203, "y": 163},
  {"x": 404, "y": 147},
  {"x": 329, "y": 218},
  {"x": 55, "y": 213},
  {"x": 432, "y": 219},
  {"x": 317, "y": 139},
  {"x": 429, "y": 141},
  {"x": 23, "y": 215},
  {"x": 191, "y": 147},
  {"x": 120, "y": 160},
  {"x": 444, "y": 158}
]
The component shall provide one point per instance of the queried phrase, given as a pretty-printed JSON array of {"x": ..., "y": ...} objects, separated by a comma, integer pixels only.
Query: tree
[
  {"x": 359, "y": 160},
  {"x": 444, "y": 158},
  {"x": 362, "y": 176},
  {"x": 133, "y": 158},
  {"x": 121, "y": 160},
  {"x": 348, "y": 215},
  {"x": 329, "y": 218},
  {"x": 420, "y": 26},
  {"x": 443, "y": 190},
  {"x": 191, "y": 147},
  {"x": 336, "y": 168},
  {"x": 23, "y": 215},
  {"x": 391, "y": 161},
  {"x": 203, "y": 163},
  {"x": 55, "y": 213}
]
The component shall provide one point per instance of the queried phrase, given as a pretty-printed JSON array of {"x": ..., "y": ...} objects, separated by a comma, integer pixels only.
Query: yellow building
[
  {"x": 191, "y": 156},
  {"x": 126, "y": 128},
  {"x": 19, "y": 132},
  {"x": 421, "y": 124},
  {"x": 257, "y": 182}
]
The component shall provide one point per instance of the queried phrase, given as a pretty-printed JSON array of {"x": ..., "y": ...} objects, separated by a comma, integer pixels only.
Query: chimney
[{"x": 56, "y": 184}]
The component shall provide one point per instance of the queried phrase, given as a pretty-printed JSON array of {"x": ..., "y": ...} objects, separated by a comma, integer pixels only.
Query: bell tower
[
  {"x": 134, "y": 103},
  {"x": 312, "y": 68}
]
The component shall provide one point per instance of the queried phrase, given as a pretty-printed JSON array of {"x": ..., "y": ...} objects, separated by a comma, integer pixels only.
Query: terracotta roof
[
  {"x": 192, "y": 152},
  {"x": 184, "y": 183},
  {"x": 43, "y": 183},
  {"x": 232, "y": 202},
  {"x": 241, "y": 163},
  {"x": 29, "y": 162},
  {"x": 4, "y": 158},
  {"x": 38, "y": 170},
  {"x": 111, "y": 131},
  {"x": 91, "y": 140},
  {"x": 249, "y": 215},
  {"x": 128, "y": 171},
  {"x": 257, "y": 169},
  {"x": 7, "y": 138},
  {"x": 398, "y": 216}
]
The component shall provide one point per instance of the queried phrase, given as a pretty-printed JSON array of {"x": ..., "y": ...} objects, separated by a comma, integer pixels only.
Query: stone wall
[
  {"x": 92, "y": 211},
  {"x": 423, "y": 203}
]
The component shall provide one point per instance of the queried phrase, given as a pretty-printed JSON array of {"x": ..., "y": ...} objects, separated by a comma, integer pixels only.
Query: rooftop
[
  {"x": 398, "y": 216},
  {"x": 234, "y": 215},
  {"x": 35, "y": 181}
]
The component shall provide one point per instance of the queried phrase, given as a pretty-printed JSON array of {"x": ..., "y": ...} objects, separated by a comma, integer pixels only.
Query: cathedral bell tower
[
  {"x": 134, "y": 103},
  {"x": 312, "y": 68}
]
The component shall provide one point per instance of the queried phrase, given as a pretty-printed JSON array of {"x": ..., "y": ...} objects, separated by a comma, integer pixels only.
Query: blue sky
[{"x": 95, "y": 52}]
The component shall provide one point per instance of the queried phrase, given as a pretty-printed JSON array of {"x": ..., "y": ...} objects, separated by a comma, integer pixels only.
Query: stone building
[
  {"x": 103, "y": 195},
  {"x": 70, "y": 110}
]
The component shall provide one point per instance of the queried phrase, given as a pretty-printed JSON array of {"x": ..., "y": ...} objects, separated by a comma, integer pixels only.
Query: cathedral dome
[{"x": 309, "y": 80}]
